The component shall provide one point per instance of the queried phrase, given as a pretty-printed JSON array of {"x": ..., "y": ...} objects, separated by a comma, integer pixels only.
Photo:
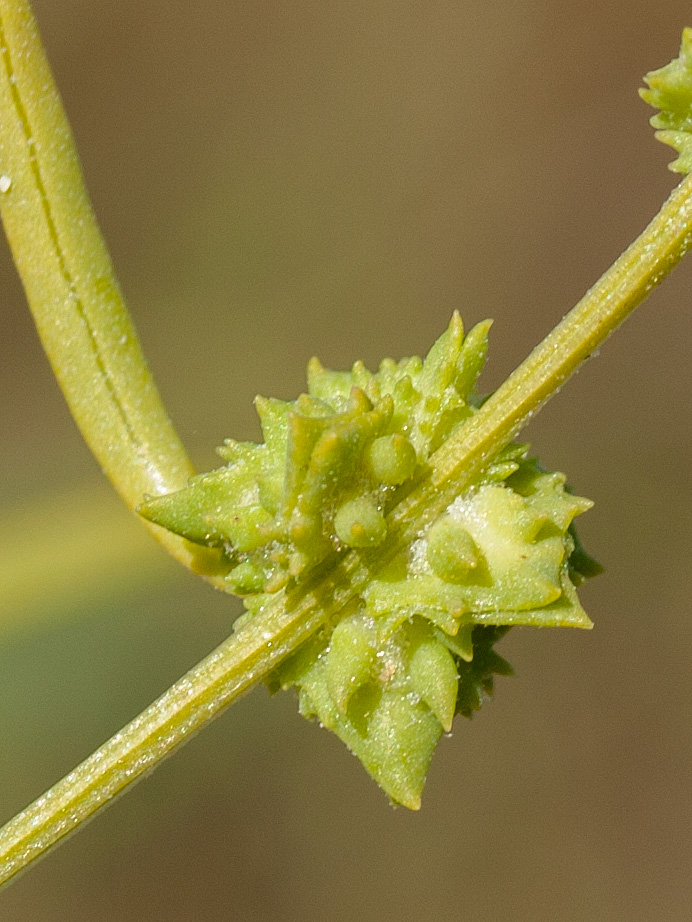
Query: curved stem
[
  {"x": 70, "y": 285},
  {"x": 254, "y": 651}
]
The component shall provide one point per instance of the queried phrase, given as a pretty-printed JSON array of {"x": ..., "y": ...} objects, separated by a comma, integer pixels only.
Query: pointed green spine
[
  {"x": 390, "y": 675},
  {"x": 670, "y": 89}
]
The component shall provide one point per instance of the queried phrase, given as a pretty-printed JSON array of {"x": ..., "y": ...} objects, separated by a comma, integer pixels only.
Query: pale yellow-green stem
[
  {"x": 192, "y": 702},
  {"x": 643, "y": 265},
  {"x": 72, "y": 291}
]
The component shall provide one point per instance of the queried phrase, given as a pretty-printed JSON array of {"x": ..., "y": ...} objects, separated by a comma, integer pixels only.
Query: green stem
[
  {"x": 70, "y": 285},
  {"x": 182, "y": 710},
  {"x": 643, "y": 265},
  {"x": 254, "y": 651}
]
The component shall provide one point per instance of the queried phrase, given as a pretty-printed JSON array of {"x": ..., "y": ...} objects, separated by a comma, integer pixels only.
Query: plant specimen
[
  {"x": 415, "y": 646},
  {"x": 385, "y": 534}
]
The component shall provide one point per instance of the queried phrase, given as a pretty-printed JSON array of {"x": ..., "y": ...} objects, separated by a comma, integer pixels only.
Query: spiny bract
[
  {"x": 670, "y": 90},
  {"x": 415, "y": 648}
]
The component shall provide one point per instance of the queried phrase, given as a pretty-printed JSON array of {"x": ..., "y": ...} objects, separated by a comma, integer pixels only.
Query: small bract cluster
[
  {"x": 670, "y": 90},
  {"x": 415, "y": 648}
]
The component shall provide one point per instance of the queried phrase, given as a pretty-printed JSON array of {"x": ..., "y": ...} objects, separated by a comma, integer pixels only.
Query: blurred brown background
[{"x": 278, "y": 180}]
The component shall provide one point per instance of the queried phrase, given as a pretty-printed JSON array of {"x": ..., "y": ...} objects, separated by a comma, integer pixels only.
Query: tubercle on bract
[{"x": 416, "y": 647}]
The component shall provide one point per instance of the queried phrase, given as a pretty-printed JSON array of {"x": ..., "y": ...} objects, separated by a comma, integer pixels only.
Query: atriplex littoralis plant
[{"x": 384, "y": 536}]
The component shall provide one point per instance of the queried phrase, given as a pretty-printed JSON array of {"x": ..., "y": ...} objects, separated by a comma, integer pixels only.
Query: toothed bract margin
[
  {"x": 416, "y": 647},
  {"x": 670, "y": 90}
]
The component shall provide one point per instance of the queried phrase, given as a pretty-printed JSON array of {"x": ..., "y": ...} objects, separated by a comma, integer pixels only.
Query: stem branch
[
  {"x": 171, "y": 720},
  {"x": 643, "y": 265}
]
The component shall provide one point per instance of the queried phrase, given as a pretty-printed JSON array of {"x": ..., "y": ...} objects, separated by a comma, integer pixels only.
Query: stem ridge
[{"x": 55, "y": 239}]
